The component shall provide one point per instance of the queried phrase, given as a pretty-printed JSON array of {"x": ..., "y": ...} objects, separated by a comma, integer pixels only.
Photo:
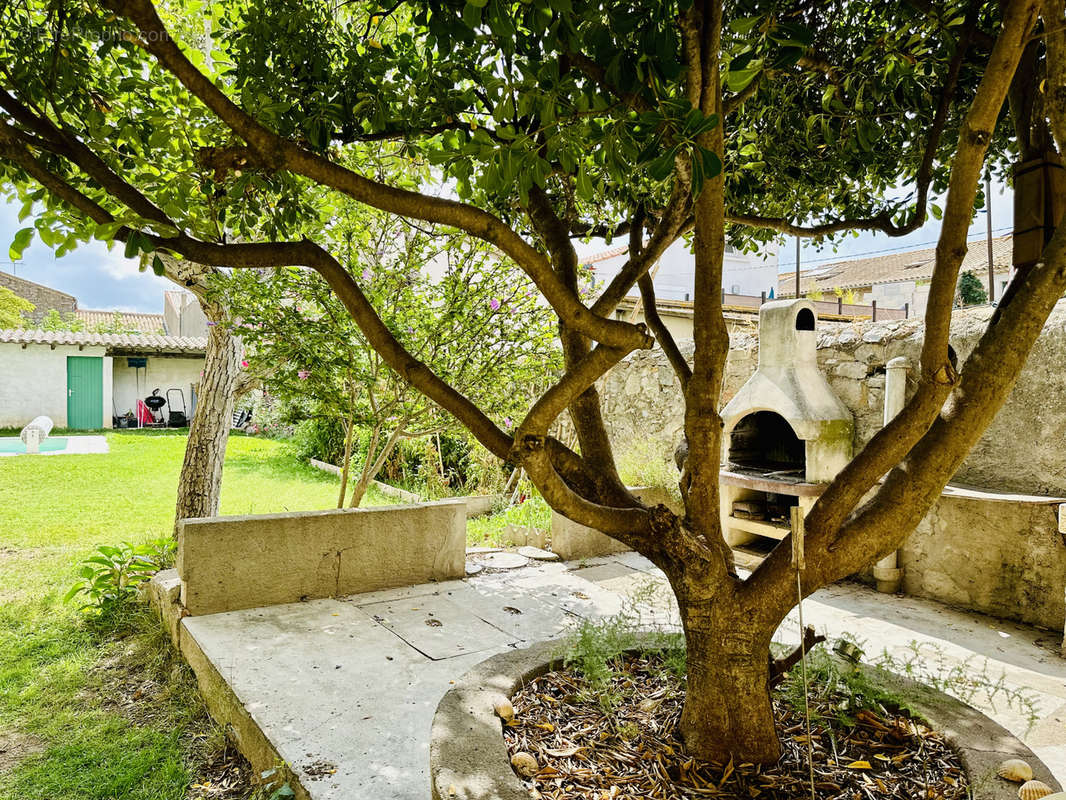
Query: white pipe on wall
[{"x": 887, "y": 572}]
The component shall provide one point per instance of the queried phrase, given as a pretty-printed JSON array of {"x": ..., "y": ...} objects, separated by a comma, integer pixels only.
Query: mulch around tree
[{"x": 635, "y": 752}]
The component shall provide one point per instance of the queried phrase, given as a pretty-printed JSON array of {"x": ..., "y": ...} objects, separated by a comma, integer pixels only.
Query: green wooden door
[{"x": 85, "y": 392}]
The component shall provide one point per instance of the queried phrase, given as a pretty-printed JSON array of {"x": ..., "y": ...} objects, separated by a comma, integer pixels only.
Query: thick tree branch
[
  {"x": 575, "y": 381},
  {"x": 275, "y": 152},
  {"x": 661, "y": 332},
  {"x": 703, "y": 425},
  {"x": 938, "y": 374},
  {"x": 633, "y": 526},
  {"x": 585, "y": 408}
]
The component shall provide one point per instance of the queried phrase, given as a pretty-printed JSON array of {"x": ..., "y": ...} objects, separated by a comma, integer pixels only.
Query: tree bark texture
[{"x": 200, "y": 483}]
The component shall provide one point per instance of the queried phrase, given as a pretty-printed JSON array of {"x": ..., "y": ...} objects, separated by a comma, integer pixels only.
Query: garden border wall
[
  {"x": 468, "y": 758},
  {"x": 230, "y": 563}
]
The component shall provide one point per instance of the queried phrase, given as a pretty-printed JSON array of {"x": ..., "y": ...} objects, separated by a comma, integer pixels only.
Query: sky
[
  {"x": 103, "y": 279},
  {"x": 98, "y": 277}
]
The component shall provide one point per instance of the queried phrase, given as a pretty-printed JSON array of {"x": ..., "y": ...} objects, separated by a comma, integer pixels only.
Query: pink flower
[
  {"x": 367, "y": 274},
  {"x": 494, "y": 304},
  {"x": 244, "y": 364},
  {"x": 303, "y": 374},
  {"x": 507, "y": 423}
]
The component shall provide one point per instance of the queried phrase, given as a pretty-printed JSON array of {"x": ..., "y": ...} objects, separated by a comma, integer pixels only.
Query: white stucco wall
[
  {"x": 162, "y": 374},
  {"x": 746, "y": 273},
  {"x": 33, "y": 381}
]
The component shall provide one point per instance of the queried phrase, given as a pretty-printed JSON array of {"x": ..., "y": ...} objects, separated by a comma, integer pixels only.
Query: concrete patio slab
[
  {"x": 345, "y": 689},
  {"x": 437, "y": 627}
]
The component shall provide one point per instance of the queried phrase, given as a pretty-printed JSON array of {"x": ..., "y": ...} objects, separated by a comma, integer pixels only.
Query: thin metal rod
[
  {"x": 806, "y": 688},
  {"x": 988, "y": 236},
  {"x": 797, "y": 267}
]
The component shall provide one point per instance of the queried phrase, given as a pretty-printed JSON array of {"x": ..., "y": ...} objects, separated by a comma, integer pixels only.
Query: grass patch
[
  {"x": 488, "y": 530},
  {"x": 115, "y": 709}
]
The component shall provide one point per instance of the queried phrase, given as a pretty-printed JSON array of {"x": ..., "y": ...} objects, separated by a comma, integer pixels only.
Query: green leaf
[
  {"x": 712, "y": 164},
  {"x": 738, "y": 80},
  {"x": 21, "y": 242},
  {"x": 158, "y": 267},
  {"x": 661, "y": 168},
  {"x": 744, "y": 25},
  {"x": 584, "y": 185}
]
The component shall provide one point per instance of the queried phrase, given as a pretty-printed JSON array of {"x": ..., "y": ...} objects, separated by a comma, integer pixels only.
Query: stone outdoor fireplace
[{"x": 787, "y": 434}]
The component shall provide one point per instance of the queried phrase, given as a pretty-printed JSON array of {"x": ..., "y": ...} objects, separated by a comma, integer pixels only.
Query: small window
[{"x": 805, "y": 320}]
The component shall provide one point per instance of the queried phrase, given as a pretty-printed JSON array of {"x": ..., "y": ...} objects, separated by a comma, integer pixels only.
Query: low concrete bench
[{"x": 229, "y": 563}]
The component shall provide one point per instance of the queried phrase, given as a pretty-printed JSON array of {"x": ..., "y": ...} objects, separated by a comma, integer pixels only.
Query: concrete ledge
[
  {"x": 573, "y": 541},
  {"x": 162, "y": 594},
  {"x": 230, "y": 563},
  {"x": 480, "y": 504},
  {"x": 396, "y": 493},
  {"x": 468, "y": 758}
]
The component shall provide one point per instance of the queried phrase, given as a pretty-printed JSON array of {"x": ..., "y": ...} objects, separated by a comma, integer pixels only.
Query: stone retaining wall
[
  {"x": 1022, "y": 450},
  {"x": 229, "y": 563},
  {"x": 987, "y": 550}
]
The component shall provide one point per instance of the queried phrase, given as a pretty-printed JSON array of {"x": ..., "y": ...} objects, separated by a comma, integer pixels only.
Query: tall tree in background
[
  {"x": 13, "y": 309},
  {"x": 550, "y": 120}
]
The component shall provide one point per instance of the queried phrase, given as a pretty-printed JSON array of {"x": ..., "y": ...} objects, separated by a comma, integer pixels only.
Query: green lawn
[{"x": 112, "y": 711}]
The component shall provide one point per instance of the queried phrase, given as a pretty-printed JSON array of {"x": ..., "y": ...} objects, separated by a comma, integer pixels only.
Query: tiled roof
[
  {"x": 144, "y": 323},
  {"x": 604, "y": 255},
  {"x": 134, "y": 342},
  {"x": 909, "y": 265}
]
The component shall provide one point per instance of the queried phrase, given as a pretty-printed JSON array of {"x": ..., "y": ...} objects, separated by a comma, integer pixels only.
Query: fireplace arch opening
[{"x": 765, "y": 441}]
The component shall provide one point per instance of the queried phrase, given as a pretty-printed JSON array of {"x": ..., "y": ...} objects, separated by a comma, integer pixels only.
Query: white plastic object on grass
[{"x": 36, "y": 432}]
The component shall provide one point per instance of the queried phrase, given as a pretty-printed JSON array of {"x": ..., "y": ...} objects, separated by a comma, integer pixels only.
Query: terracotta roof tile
[
  {"x": 143, "y": 342},
  {"x": 908, "y": 265},
  {"x": 143, "y": 323}
]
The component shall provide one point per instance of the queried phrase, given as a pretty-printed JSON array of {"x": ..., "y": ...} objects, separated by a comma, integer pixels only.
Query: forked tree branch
[
  {"x": 276, "y": 152},
  {"x": 892, "y": 442}
]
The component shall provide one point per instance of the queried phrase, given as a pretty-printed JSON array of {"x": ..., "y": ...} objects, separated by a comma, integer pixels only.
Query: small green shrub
[
  {"x": 971, "y": 290},
  {"x": 644, "y": 464},
  {"x": 109, "y": 579},
  {"x": 321, "y": 438},
  {"x": 595, "y": 646}
]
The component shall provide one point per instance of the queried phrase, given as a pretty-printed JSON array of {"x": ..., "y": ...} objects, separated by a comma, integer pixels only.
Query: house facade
[
  {"x": 898, "y": 280},
  {"x": 674, "y": 275},
  {"x": 82, "y": 380}
]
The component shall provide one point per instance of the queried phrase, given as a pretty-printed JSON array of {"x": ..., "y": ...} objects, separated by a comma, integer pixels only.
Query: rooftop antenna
[{"x": 797, "y": 267}]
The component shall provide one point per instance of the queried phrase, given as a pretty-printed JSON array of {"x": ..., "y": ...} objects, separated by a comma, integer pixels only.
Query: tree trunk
[
  {"x": 372, "y": 466},
  {"x": 727, "y": 713},
  {"x": 200, "y": 483},
  {"x": 349, "y": 429}
]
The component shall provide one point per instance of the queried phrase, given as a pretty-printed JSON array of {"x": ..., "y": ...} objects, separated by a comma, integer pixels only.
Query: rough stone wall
[
  {"x": 998, "y": 555},
  {"x": 1022, "y": 450},
  {"x": 41, "y": 296}
]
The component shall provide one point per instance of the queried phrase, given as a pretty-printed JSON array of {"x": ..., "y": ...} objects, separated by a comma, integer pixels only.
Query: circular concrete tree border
[{"x": 468, "y": 759}]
